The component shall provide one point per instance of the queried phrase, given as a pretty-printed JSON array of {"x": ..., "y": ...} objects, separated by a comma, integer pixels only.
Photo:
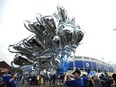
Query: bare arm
[{"x": 65, "y": 78}]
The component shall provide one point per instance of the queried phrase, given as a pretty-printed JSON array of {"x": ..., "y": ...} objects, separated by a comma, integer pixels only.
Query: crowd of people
[
  {"x": 104, "y": 80},
  {"x": 8, "y": 80},
  {"x": 76, "y": 79},
  {"x": 46, "y": 79},
  {"x": 12, "y": 79}
]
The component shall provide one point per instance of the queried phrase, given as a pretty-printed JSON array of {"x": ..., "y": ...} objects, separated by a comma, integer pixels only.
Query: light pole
[
  {"x": 98, "y": 67},
  {"x": 83, "y": 63},
  {"x": 74, "y": 61},
  {"x": 91, "y": 63}
]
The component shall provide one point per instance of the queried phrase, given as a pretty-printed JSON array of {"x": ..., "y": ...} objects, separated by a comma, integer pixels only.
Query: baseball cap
[{"x": 77, "y": 71}]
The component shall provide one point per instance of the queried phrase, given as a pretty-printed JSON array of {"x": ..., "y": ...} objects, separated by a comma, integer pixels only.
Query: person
[
  {"x": 74, "y": 82},
  {"x": 13, "y": 81},
  {"x": 30, "y": 79},
  {"x": 54, "y": 79},
  {"x": 85, "y": 80},
  {"x": 114, "y": 78},
  {"x": 96, "y": 81},
  {"x": 24, "y": 82},
  {"x": 39, "y": 79},
  {"x": 6, "y": 78},
  {"x": 110, "y": 81},
  {"x": 105, "y": 79},
  {"x": 101, "y": 80},
  {"x": 1, "y": 80},
  {"x": 90, "y": 82}
]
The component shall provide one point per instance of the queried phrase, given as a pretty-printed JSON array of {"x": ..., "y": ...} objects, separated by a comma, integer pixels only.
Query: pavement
[{"x": 46, "y": 85}]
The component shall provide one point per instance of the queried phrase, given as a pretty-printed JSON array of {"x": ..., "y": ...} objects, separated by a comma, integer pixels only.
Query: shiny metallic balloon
[
  {"x": 19, "y": 60},
  {"x": 62, "y": 13},
  {"x": 50, "y": 46},
  {"x": 50, "y": 23},
  {"x": 78, "y": 36}
]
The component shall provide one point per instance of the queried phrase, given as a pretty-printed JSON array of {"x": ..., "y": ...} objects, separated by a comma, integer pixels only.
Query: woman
[
  {"x": 90, "y": 82},
  {"x": 114, "y": 78},
  {"x": 96, "y": 81}
]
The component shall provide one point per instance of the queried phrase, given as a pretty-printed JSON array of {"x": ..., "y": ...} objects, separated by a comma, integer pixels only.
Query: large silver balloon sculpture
[{"x": 54, "y": 38}]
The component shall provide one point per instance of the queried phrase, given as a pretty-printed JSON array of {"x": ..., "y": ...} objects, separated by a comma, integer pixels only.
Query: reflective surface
[{"x": 50, "y": 46}]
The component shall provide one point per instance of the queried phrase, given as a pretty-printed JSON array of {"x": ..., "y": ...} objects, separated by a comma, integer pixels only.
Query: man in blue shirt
[
  {"x": 7, "y": 77},
  {"x": 74, "y": 82}
]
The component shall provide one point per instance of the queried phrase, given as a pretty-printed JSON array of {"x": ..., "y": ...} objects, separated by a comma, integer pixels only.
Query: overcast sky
[{"x": 96, "y": 17}]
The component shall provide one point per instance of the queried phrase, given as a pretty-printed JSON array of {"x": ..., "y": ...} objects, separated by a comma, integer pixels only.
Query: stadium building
[{"x": 88, "y": 63}]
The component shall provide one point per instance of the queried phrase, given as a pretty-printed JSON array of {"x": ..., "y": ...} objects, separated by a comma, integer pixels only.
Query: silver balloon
[
  {"x": 34, "y": 43},
  {"x": 55, "y": 62},
  {"x": 54, "y": 39},
  {"x": 66, "y": 34},
  {"x": 56, "y": 43},
  {"x": 14, "y": 65},
  {"x": 17, "y": 48},
  {"x": 62, "y": 13},
  {"x": 26, "y": 24},
  {"x": 27, "y": 43},
  {"x": 12, "y": 49},
  {"x": 19, "y": 60},
  {"x": 50, "y": 23},
  {"x": 38, "y": 45},
  {"x": 78, "y": 36}
]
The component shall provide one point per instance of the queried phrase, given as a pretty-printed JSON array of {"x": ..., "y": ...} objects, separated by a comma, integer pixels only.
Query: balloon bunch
[{"x": 54, "y": 38}]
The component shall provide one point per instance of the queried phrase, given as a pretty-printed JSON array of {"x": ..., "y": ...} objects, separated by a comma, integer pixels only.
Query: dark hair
[
  {"x": 77, "y": 71},
  {"x": 9, "y": 72},
  {"x": 114, "y": 76}
]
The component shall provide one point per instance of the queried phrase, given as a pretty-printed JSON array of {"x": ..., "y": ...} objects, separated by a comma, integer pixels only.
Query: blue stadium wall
[{"x": 89, "y": 65}]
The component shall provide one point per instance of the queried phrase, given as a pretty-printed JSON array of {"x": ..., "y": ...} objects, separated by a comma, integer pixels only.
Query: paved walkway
[
  {"x": 46, "y": 86},
  {"x": 28, "y": 85}
]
